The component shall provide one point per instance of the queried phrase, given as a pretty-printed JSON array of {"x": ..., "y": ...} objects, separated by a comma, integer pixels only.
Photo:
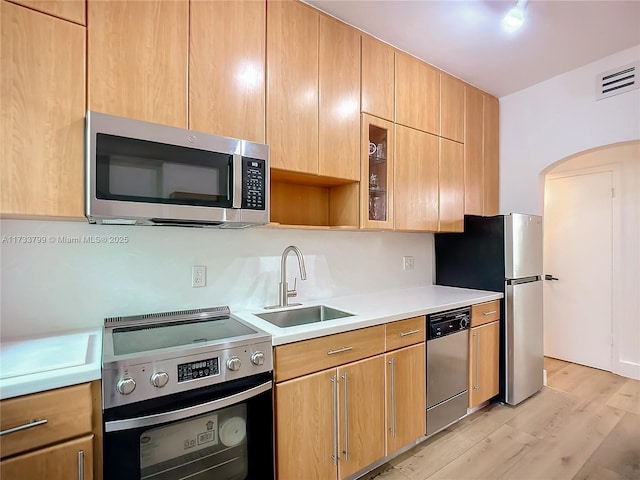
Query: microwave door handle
[{"x": 237, "y": 181}]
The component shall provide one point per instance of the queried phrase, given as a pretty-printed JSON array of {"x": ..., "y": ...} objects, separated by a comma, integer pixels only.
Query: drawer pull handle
[
  {"x": 490, "y": 312},
  {"x": 409, "y": 332},
  {"x": 339, "y": 350},
  {"x": 31, "y": 424}
]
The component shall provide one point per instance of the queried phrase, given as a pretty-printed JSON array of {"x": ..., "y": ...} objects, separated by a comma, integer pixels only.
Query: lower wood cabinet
[
  {"x": 53, "y": 435},
  {"x": 330, "y": 424},
  {"x": 484, "y": 350},
  {"x": 64, "y": 461},
  {"x": 406, "y": 396}
]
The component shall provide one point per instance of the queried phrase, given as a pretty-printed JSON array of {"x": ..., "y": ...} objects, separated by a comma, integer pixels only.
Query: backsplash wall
[{"x": 72, "y": 275}]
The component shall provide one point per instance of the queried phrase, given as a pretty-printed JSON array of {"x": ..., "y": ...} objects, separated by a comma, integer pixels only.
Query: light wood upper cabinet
[
  {"x": 484, "y": 351},
  {"x": 57, "y": 462},
  {"x": 451, "y": 186},
  {"x": 377, "y": 184},
  {"x": 361, "y": 436},
  {"x": 417, "y": 94},
  {"x": 416, "y": 180},
  {"x": 292, "y": 85},
  {"x": 452, "y": 108},
  {"x": 339, "y": 108},
  {"x": 491, "y": 156},
  {"x": 305, "y": 426},
  {"x": 137, "y": 62},
  {"x": 473, "y": 158},
  {"x": 378, "y": 73},
  {"x": 227, "y": 68},
  {"x": 481, "y": 162},
  {"x": 42, "y": 92},
  {"x": 406, "y": 396},
  {"x": 72, "y": 10}
]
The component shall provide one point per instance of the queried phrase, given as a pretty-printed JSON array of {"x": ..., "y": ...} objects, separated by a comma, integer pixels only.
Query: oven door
[{"x": 222, "y": 432}]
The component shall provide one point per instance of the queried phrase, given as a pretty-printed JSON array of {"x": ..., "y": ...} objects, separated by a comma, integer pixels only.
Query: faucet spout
[
  {"x": 283, "y": 289},
  {"x": 283, "y": 263}
]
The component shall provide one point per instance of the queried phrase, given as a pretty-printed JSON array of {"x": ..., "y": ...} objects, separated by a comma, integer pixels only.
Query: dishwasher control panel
[{"x": 446, "y": 323}]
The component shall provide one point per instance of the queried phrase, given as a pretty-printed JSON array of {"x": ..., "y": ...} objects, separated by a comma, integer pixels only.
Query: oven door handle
[{"x": 158, "y": 418}]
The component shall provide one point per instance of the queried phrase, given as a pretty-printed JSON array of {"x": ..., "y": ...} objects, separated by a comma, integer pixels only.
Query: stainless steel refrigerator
[{"x": 503, "y": 254}]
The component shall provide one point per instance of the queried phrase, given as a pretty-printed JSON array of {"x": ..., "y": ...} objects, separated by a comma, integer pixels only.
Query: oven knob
[
  {"x": 126, "y": 385},
  {"x": 159, "y": 379},
  {"x": 463, "y": 323},
  {"x": 257, "y": 358},
  {"x": 234, "y": 364}
]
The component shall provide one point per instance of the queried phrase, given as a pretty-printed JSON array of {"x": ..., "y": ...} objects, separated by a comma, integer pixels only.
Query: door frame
[{"x": 617, "y": 366}]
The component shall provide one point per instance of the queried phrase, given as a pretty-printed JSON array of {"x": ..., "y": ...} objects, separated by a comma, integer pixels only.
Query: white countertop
[
  {"x": 35, "y": 364},
  {"x": 372, "y": 309}
]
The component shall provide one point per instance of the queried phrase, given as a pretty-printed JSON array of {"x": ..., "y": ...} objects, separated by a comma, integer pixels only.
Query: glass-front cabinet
[{"x": 377, "y": 173}]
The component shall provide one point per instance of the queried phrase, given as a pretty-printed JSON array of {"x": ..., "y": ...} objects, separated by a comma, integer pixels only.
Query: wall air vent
[{"x": 619, "y": 80}]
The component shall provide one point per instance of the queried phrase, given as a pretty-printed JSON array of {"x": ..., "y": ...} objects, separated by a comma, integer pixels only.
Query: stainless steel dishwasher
[{"x": 447, "y": 367}]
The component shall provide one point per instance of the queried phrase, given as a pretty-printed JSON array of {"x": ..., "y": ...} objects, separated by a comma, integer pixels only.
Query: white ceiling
[{"x": 465, "y": 37}]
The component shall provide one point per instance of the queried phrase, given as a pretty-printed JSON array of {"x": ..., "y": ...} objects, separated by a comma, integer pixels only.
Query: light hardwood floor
[{"x": 584, "y": 425}]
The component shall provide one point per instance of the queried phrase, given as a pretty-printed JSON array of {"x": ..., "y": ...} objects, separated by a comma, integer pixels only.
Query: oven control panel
[{"x": 200, "y": 369}]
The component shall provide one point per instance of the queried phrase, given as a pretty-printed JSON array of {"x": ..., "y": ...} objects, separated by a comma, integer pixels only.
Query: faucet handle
[{"x": 293, "y": 292}]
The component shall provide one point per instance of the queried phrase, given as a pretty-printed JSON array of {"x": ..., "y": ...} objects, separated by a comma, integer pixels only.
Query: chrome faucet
[{"x": 283, "y": 289}]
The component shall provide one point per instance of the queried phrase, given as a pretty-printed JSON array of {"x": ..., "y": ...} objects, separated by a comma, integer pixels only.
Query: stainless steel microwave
[{"x": 141, "y": 173}]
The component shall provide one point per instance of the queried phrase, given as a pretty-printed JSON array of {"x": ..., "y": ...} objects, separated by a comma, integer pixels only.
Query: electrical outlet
[
  {"x": 198, "y": 276},
  {"x": 407, "y": 263}
]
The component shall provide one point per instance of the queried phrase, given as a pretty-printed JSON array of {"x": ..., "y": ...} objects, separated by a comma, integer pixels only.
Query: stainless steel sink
[{"x": 302, "y": 316}]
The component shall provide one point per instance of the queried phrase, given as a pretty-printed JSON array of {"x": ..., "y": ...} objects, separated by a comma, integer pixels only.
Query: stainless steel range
[{"x": 187, "y": 394}]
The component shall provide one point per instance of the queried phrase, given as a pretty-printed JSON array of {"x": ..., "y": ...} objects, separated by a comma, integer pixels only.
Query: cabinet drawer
[
  {"x": 300, "y": 358},
  {"x": 485, "y": 313},
  {"x": 404, "y": 333},
  {"x": 67, "y": 412}
]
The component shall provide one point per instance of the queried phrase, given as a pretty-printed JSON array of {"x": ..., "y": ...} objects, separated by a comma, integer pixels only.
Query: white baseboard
[{"x": 627, "y": 369}]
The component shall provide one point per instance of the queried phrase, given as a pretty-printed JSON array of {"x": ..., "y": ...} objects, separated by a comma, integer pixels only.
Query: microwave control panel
[{"x": 253, "y": 180}]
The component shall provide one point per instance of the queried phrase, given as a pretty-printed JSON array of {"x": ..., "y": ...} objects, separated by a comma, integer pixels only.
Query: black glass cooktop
[{"x": 143, "y": 338}]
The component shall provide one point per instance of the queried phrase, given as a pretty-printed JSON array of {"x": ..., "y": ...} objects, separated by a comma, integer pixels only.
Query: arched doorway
[{"x": 592, "y": 239}]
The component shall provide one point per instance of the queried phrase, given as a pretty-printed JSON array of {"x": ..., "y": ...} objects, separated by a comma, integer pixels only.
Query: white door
[{"x": 578, "y": 221}]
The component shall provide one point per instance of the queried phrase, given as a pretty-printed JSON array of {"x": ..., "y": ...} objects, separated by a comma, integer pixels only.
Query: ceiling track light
[{"x": 515, "y": 18}]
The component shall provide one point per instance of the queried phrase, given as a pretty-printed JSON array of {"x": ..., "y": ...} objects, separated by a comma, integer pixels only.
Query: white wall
[
  {"x": 56, "y": 286},
  {"x": 545, "y": 124},
  {"x": 556, "y": 119}
]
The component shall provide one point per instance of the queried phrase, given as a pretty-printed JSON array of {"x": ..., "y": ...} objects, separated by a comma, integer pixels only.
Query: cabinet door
[
  {"x": 416, "y": 180},
  {"x": 306, "y": 418},
  {"x": 226, "y": 68},
  {"x": 361, "y": 405},
  {"x": 417, "y": 94},
  {"x": 406, "y": 396},
  {"x": 137, "y": 60},
  {"x": 491, "y": 156},
  {"x": 377, "y": 183},
  {"x": 473, "y": 146},
  {"x": 452, "y": 108},
  {"x": 451, "y": 186},
  {"x": 72, "y": 459},
  {"x": 339, "y": 115},
  {"x": 42, "y": 92},
  {"x": 292, "y": 86},
  {"x": 72, "y": 10},
  {"x": 378, "y": 78},
  {"x": 484, "y": 348}
]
